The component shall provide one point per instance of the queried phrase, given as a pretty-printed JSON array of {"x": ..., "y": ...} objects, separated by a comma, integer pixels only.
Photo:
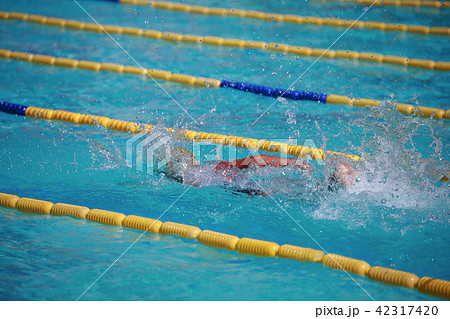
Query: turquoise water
[{"x": 397, "y": 215}]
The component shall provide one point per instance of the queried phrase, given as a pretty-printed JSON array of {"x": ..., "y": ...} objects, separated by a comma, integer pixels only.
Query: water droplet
[
  {"x": 283, "y": 100},
  {"x": 290, "y": 116}
]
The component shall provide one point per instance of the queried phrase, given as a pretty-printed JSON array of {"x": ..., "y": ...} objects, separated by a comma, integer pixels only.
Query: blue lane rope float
[
  {"x": 216, "y": 83},
  {"x": 12, "y": 108},
  {"x": 273, "y": 92}
]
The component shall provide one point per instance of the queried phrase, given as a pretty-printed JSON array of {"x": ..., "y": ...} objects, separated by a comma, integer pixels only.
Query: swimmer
[
  {"x": 184, "y": 168},
  {"x": 227, "y": 168}
]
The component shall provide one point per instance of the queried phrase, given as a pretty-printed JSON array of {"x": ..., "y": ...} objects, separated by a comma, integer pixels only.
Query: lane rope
[
  {"x": 249, "y": 246},
  {"x": 215, "y": 83},
  {"x": 133, "y": 127},
  {"x": 267, "y": 16},
  {"x": 398, "y": 3},
  {"x": 230, "y": 42}
]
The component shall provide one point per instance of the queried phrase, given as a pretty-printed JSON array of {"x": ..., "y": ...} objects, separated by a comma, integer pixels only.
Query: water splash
[
  {"x": 396, "y": 187},
  {"x": 398, "y": 182}
]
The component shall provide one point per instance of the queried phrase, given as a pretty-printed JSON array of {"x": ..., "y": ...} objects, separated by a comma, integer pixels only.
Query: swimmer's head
[
  {"x": 179, "y": 160},
  {"x": 180, "y": 155}
]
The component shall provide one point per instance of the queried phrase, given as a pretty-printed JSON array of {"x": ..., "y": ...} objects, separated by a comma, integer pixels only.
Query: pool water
[{"x": 396, "y": 215}]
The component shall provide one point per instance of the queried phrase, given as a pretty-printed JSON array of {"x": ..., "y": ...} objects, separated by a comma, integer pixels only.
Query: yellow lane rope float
[
  {"x": 266, "y": 16},
  {"x": 215, "y": 83},
  {"x": 427, "y": 285},
  {"x": 399, "y": 3},
  {"x": 230, "y": 42},
  {"x": 132, "y": 127}
]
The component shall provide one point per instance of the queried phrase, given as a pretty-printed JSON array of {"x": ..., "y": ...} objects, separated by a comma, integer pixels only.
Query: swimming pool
[{"x": 395, "y": 217}]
